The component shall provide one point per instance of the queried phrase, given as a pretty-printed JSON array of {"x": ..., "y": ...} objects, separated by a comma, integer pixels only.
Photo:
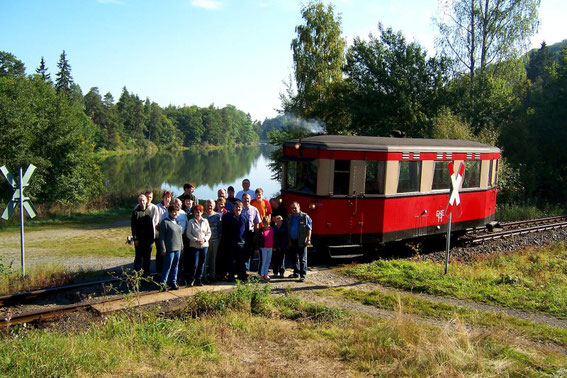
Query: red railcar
[{"x": 366, "y": 190}]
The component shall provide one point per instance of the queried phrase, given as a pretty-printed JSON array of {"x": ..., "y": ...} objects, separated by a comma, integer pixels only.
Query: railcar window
[
  {"x": 375, "y": 177},
  {"x": 441, "y": 176},
  {"x": 301, "y": 176},
  {"x": 491, "y": 173},
  {"x": 472, "y": 174},
  {"x": 410, "y": 176},
  {"x": 495, "y": 182},
  {"x": 341, "y": 177}
]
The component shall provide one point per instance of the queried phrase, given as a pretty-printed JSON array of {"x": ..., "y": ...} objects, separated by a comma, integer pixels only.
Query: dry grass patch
[{"x": 249, "y": 333}]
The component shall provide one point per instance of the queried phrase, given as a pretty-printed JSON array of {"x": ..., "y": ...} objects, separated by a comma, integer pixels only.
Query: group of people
[{"x": 222, "y": 240}]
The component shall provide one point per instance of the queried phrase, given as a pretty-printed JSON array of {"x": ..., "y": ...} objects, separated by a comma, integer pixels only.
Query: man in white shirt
[{"x": 245, "y": 189}]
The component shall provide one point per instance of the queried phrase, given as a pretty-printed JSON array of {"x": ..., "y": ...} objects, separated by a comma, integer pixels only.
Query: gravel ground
[{"x": 513, "y": 243}]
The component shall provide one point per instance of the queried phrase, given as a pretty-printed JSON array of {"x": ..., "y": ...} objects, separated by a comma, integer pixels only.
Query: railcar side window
[
  {"x": 341, "y": 177},
  {"x": 375, "y": 177},
  {"x": 491, "y": 173},
  {"x": 495, "y": 181},
  {"x": 410, "y": 176},
  {"x": 441, "y": 176},
  {"x": 301, "y": 176},
  {"x": 472, "y": 174}
]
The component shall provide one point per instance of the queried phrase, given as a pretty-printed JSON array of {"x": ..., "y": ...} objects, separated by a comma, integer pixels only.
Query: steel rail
[
  {"x": 40, "y": 315},
  {"x": 526, "y": 223},
  {"x": 20, "y": 297},
  {"x": 519, "y": 231}
]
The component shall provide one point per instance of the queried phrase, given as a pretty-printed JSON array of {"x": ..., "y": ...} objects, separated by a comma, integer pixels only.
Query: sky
[{"x": 202, "y": 52}]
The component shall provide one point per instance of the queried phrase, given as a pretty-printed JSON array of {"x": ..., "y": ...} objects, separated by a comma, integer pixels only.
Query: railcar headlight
[{"x": 312, "y": 206}]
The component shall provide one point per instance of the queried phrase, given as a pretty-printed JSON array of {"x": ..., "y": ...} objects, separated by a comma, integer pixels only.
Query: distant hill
[{"x": 555, "y": 49}]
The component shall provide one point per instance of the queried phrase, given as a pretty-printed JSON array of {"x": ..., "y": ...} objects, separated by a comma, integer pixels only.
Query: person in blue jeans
[
  {"x": 299, "y": 226},
  {"x": 171, "y": 243},
  {"x": 198, "y": 232}
]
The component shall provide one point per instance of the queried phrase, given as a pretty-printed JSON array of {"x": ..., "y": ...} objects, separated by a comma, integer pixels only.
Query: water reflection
[{"x": 207, "y": 170}]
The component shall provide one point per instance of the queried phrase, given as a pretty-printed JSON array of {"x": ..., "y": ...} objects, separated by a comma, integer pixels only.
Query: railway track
[
  {"x": 102, "y": 305},
  {"x": 480, "y": 235},
  {"x": 12, "y": 299}
]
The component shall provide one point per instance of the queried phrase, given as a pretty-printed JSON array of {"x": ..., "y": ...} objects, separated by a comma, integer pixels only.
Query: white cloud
[
  {"x": 263, "y": 4},
  {"x": 207, "y": 4}
]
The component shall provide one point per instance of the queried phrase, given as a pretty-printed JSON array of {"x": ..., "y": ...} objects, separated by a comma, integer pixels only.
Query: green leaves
[
  {"x": 38, "y": 126},
  {"x": 393, "y": 85}
]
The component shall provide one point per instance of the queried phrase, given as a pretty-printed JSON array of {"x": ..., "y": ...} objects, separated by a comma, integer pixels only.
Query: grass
[
  {"x": 96, "y": 234},
  {"x": 534, "y": 279},
  {"x": 36, "y": 278},
  {"x": 250, "y": 333},
  {"x": 513, "y": 212},
  {"x": 447, "y": 312}
]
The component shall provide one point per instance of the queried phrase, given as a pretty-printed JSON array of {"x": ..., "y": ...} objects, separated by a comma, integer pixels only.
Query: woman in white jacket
[{"x": 198, "y": 232}]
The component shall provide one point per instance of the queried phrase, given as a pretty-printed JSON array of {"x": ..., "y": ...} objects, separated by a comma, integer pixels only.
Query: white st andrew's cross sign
[
  {"x": 456, "y": 179},
  {"x": 18, "y": 191}
]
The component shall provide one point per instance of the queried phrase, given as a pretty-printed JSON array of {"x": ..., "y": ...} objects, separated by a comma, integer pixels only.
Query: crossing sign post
[
  {"x": 18, "y": 198},
  {"x": 453, "y": 204}
]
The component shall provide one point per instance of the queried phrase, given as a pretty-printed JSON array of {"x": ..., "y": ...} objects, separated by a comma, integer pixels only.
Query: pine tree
[
  {"x": 42, "y": 71},
  {"x": 64, "y": 78}
]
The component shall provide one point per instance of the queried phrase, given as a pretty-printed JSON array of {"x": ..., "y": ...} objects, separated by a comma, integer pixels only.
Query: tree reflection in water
[{"x": 208, "y": 170}]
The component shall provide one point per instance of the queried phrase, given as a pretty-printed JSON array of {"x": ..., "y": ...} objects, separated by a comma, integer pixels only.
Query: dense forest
[
  {"x": 481, "y": 85},
  {"x": 51, "y": 123}
]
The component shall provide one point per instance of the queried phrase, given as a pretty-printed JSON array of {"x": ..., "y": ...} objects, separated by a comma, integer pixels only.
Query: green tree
[
  {"x": 212, "y": 122},
  {"x": 478, "y": 33},
  {"x": 131, "y": 115},
  {"x": 10, "y": 65},
  {"x": 161, "y": 129},
  {"x": 189, "y": 121},
  {"x": 37, "y": 126},
  {"x": 112, "y": 127},
  {"x": 63, "y": 79},
  {"x": 535, "y": 143},
  {"x": 42, "y": 71},
  {"x": 318, "y": 56},
  {"x": 393, "y": 85},
  {"x": 493, "y": 100}
]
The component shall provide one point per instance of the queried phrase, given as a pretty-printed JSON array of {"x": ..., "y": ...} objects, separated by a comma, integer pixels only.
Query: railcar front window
[
  {"x": 375, "y": 174},
  {"x": 472, "y": 174},
  {"x": 301, "y": 176},
  {"x": 441, "y": 176},
  {"x": 341, "y": 177},
  {"x": 410, "y": 176}
]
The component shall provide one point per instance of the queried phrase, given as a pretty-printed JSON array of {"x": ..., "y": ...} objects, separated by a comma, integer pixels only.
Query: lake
[{"x": 208, "y": 170}]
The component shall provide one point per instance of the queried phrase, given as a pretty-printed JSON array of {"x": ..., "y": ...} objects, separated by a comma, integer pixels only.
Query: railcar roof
[{"x": 357, "y": 143}]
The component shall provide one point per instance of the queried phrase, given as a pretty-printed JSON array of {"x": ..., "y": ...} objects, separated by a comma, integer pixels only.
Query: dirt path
[
  {"x": 69, "y": 247},
  {"x": 324, "y": 277}
]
